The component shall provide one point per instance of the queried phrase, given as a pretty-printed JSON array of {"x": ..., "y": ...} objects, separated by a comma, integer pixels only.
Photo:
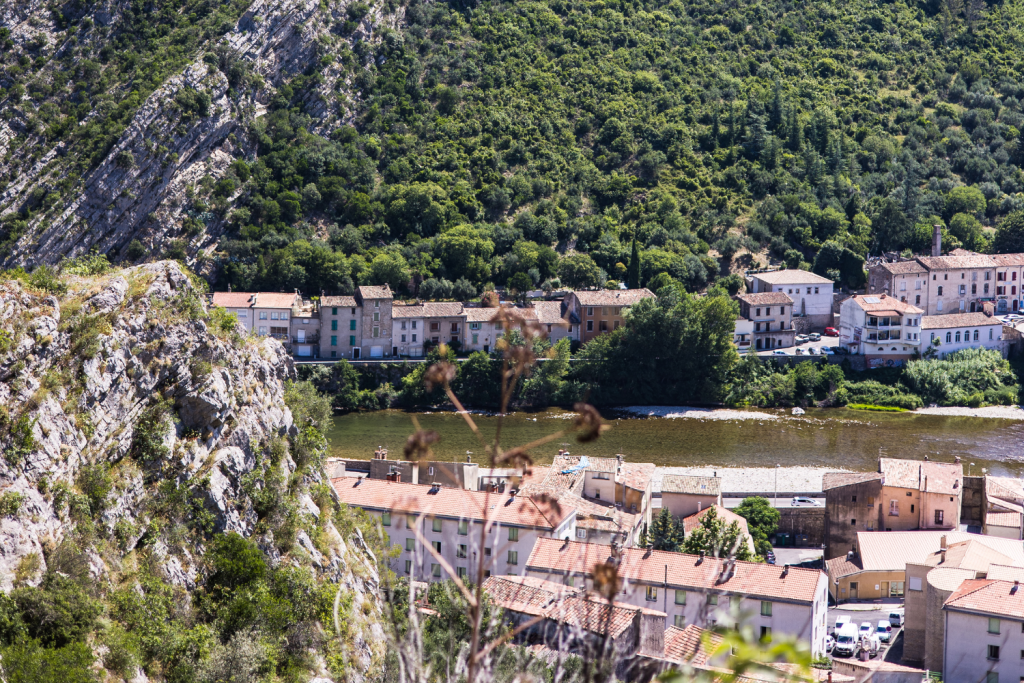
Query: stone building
[
  {"x": 772, "y": 315},
  {"x": 601, "y": 311},
  {"x": 341, "y": 333},
  {"x": 683, "y": 495},
  {"x": 811, "y": 294},
  {"x": 375, "y": 322}
]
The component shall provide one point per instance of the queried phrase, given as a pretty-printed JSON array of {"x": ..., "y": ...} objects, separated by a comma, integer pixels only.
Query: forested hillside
[{"x": 323, "y": 146}]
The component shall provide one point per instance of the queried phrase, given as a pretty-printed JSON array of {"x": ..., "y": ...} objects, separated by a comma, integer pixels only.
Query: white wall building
[
  {"x": 408, "y": 333},
  {"x": 884, "y": 329},
  {"x": 811, "y": 294},
  {"x": 239, "y": 303},
  {"x": 962, "y": 331},
  {"x": 703, "y": 591},
  {"x": 984, "y": 626},
  {"x": 451, "y": 520}
]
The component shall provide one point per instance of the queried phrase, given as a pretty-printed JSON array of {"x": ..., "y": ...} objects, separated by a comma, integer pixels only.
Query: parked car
[
  {"x": 841, "y": 621},
  {"x": 883, "y": 630},
  {"x": 865, "y": 628},
  {"x": 778, "y": 352},
  {"x": 896, "y": 617},
  {"x": 827, "y": 351},
  {"x": 802, "y": 339},
  {"x": 801, "y": 501},
  {"x": 830, "y": 643},
  {"x": 799, "y": 352},
  {"x": 847, "y": 641},
  {"x": 813, "y": 351},
  {"x": 831, "y": 332},
  {"x": 814, "y": 336}
]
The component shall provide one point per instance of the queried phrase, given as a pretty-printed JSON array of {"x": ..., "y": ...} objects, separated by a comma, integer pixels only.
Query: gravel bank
[
  {"x": 699, "y": 413},
  {"x": 1001, "y": 412}
]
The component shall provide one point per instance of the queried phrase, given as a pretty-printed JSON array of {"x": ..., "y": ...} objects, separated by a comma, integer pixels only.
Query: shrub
[
  {"x": 10, "y": 503},
  {"x": 59, "y": 612},
  {"x": 27, "y": 661}
]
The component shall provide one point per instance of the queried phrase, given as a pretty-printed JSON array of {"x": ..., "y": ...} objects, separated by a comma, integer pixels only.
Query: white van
[{"x": 847, "y": 640}]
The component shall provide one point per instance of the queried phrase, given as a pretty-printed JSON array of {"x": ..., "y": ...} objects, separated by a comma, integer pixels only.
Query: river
[{"x": 832, "y": 437}]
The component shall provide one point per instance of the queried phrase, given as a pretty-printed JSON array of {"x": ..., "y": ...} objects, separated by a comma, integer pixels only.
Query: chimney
[
  {"x": 956, "y": 459},
  {"x": 882, "y": 296},
  {"x": 830, "y": 676},
  {"x": 1016, "y": 585},
  {"x": 395, "y": 475},
  {"x": 937, "y": 240},
  {"x": 785, "y": 571},
  {"x": 942, "y": 542}
]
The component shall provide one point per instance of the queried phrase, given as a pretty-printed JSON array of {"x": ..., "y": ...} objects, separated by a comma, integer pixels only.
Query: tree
[
  {"x": 966, "y": 228},
  {"x": 1009, "y": 237},
  {"x": 969, "y": 200},
  {"x": 893, "y": 230},
  {"x": 664, "y": 532},
  {"x": 579, "y": 271},
  {"x": 716, "y": 538},
  {"x": 389, "y": 269},
  {"x": 762, "y": 521},
  {"x": 518, "y": 285},
  {"x": 633, "y": 272}
]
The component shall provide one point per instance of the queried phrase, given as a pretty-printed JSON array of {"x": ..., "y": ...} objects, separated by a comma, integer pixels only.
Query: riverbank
[
  {"x": 699, "y": 413},
  {"x": 993, "y": 412}
]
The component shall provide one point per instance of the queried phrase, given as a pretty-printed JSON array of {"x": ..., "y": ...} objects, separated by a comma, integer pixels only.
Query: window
[
  {"x": 334, "y": 340},
  {"x": 993, "y": 652},
  {"x": 474, "y": 326},
  {"x": 976, "y": 335},
  {"x": 414, "y": 339},
  {"x": 462, "y": 572},
  {"x": 351, "y": 340},
  {"x": 570, "y": 581},
  {"x": 911, "y": 508},
  {"x": 938, "y": 516},
  {"x": 604, "y": 325},
  {"x": 408, "y": 566},
  {"x": 766, "y": 608},
  {"x": 435, "y": 327},
  {"x": 414, "y": 323},
  {"x": 766, "y": 634},
  {"x": 436, "y": 524},
  {"x": 974, "y": 289},
  {"x": 986, "y": 286},
  {"x": 602, "y": 475},
  {"x": 992, "y": 677},
  {"x": 894, "y": 508},
  {"x": 758, "y": 312},
  {"x": 963, "y": 290},
  {"x": 940, "y": 290},
  {"x": 615, "y": 325},
  {"x": 462, "y": 551},
  {"x": 385, "y": 518},
  {"x": 273, "y": 316},
  {"x": 712, "y": 599},
  {"x": 853, "y": 522},
  {"x": 590, "y": 326},
  {"x": 680, "y": 597},
  {"x": 437, "y": 545},
  {"x": 854, "y": 499},
  {"x": 334, "y": 310},
  {"x": 284, "y": 316},
  {"x": 476, "y": 338},
  {"x": 403, "y": 324},
  {"x": 652, "y": 594},
  {"x": 958, "y": 336},
  {"x": 403, "y": 338},
  {"x": 513, "y": 533},
  {"x": 263, "y": 315},
  {"x": 949, "y": 337},
  {"x": 782, "y": 310},
  {"x": 463, "y": 527},
  {"x": 513, "y": 557},
  {"x": 590, "y": 311},
  {"x": 410, "y": 544},
  {"x": 376, "y": 331},
  {"x": 581, "y": 533},
  {"x": 352, "y": 325},
  {"x": 815, "y": 290},
  {"x": 435, "y": 571},
  {"x": 376, "y": 304},
  {"x": 993, "y": 626},
  {"x": 990, "y": 334},
  {"x": 679, "y": 620},
  {"x": 917, "y": 299},
  {"x": 487, "y": 552},
  {"x": 334, "y": 325}
]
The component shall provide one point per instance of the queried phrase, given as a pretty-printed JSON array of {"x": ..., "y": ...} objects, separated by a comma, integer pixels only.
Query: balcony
[{"x": 311, "y": 339}]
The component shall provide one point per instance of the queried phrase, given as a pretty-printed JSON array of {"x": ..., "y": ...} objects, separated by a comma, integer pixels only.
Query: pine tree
[
  {"x": 663, "y": 532},
  {"x": 776, "y": 116},
  {"x": 633, "y": 272}
]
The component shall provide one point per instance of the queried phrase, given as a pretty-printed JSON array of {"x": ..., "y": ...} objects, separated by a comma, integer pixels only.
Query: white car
[
  {"x": 896, "y": 617},
  {"x": 778, "y": 352},
  {"x": 841, "y": 621},
  {"x": 827, "y": 351},
  {"x": 865, "y": 628},
  {"x": 801, "y": 501},
  {"x": 884, "y": 630},
  {"x": 830, "y": 643}
]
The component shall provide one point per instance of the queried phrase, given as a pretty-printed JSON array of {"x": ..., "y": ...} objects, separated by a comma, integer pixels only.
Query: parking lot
[
  {"x": 873, "y": 613},
  {"x": 803, "y": 349}
]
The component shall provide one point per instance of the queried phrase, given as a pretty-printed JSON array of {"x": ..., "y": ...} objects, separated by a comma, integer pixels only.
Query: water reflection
[{"x": 825, "y": 438}]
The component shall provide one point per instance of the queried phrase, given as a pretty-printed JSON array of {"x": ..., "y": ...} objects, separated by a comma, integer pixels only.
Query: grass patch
[{"x": 880, "y": 409}]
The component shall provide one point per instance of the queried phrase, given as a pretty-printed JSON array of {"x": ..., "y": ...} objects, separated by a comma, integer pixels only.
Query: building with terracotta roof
[
  {"x": 1009, "y": 282},
  {"x": 340, "y": 321},
  {"x": 239, "y": 303},
  {"x": 603, "y": 310},
  {"x": 375, "y": 330},
  {"x": 984, "y": 622},
  {"x": 691, "y": 523},
  {"x": 265, "y": 313},
  {"x": 883, "y": 329},
  {"x": 703, "y": 591},
  {"x": 409, "y": 322},
  {"x": 557, "y": 320},
  {"x": 772, "y": 315},
  {"x": 811, "y": 294},
  {"x": 683, "y": 495},
  {"x": 902, "y": 495},
  {"x": 949, "y": 333},
  {"x": 452, "y": 521}
]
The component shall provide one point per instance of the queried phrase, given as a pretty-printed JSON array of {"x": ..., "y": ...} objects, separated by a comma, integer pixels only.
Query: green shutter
[
  {"x": 352, "y": 340},
  {"x": 334, "y": 340},
  {"x": 352, "y": 324}
]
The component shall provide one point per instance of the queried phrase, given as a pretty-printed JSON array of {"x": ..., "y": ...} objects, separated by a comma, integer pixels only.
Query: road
[{"x": 792, "y": 350}]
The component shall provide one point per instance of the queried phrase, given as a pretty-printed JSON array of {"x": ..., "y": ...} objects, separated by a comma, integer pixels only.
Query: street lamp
[{"x": 776, "y": 484}]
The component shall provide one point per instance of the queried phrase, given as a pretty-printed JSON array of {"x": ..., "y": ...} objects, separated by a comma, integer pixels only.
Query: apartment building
[
  {"x": 265, "y": 313},
  {"x": 1009, "y": 282},
  {"x": 987, "y": 618},
  {"x": 958, "y": 283},
  {"x": 743, "y": 334},
  {"x": 905, "y": 280},
  {"x": 375, "y": 323},
  {"x": 885, "y": 330},
  {"x": 304, "y": 330},
  {"x": 482, "y": 331},
  {"x": 601, "y": 311},
  {"x": 772, "y": 315},
  {"x": 409, "y": 321},
  {"x": 341, "y": 334},
  {"x": 697, "y": 590},
  {"x": 452, "y": 520},
  {"x": 811, "y": 294},
  {"x": 683, "y": 495},
  {"x": 949, "y": 333},
  {"x": 239, "y": 303},
  {"x": 556, "y": 320},
  {"x": 445, "y": 321}
]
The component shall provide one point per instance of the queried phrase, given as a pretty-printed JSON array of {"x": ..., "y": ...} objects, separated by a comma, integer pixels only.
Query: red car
[{"x": 831, "y": 332}]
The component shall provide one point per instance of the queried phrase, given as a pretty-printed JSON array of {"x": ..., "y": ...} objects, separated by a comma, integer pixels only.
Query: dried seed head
[
  {"x": 515, "y": 457},
  {"x": 439, "y": 374},
  {"x": 606, "y": 580},
  {"x": 549, "y": 500},
  {"x": 417, "y": 446},
  {"x": 588, "y": 422}
]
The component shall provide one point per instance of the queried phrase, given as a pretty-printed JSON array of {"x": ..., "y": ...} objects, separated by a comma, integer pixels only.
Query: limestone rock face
[{"x": 79, "y": 375}]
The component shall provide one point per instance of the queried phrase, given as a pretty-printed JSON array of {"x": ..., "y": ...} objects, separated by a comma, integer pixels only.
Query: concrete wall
[
  {"x": 865, "y": 672},
  {"x": 336, "y": 322},
  {"x": 935, "y": 626},
  {"x": 682, "y": 505},
  {"x": 870, "y": 585},
  {"x": 602, "y": 489},
  {"x": 972, "y": 504},
  {"x": 849, "y": 509},
  {"x": 966, "y": 655},
  {"x": 915, "y": 605},
  {"x": 809, "y": 521}
]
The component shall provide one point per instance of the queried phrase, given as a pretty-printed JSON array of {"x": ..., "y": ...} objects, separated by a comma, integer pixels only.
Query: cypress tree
[{"x": 633, "y": 272}]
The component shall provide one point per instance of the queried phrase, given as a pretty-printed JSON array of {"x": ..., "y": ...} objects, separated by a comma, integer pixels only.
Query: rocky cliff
[
  {"x": 137, "y": 424},
  {"x": 140, "y": 188}
]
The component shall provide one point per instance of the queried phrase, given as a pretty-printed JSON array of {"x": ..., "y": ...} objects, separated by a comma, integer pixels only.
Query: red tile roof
[
  {"x": 686, "y": 645},
  {"x": 1007, "y": 519},
  {"x": 903, "y": 267},
  {"x": 275, "y": 300},
  {"x": 953, "y": 262},
  {"x": 831, "y": 480},
  {"x": 549, "y": 312},
  {"x": 879, "y": 303},
  {"x": 442, "y": 309},
  {"x": 942, "y": 322},
  {"x": 930, "y": 477},
  {"x": 693, "y": 521},
  {"x": 1008, "y": 259},
  {"x": 637, "y": 475},
  {"x": 765, "y": 298},
  {"x": 998, "y": 598},
  {"x": 560, "y": 603},
  {"x": 522, "y": 510},
  {"x": 399, "y": 312},
  {"x": 613, "y": 297},
  {"x": 233, "y": 299},
  {"x": 691, "y": 484},
  {"x": 373, "y": 292},
  {"x": 342, "y": 301},
  {"x": 479, "y": 314},
  {"x": 892, "y": 550},
  {"x": 682, "y": 570}
]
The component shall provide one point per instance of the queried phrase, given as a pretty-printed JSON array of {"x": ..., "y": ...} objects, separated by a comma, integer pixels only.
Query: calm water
[{"x": 826, "y": 437}]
